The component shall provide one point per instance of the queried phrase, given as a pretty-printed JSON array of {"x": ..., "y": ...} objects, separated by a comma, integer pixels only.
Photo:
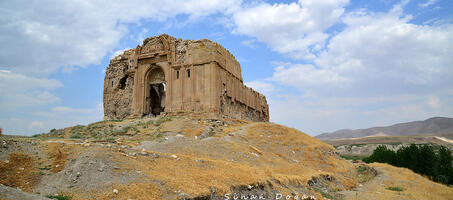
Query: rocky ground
[{"x": 182, "y": 158}]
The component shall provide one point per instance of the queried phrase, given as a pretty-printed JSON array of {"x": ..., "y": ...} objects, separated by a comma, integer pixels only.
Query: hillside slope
[
  {"x": 176, "y": 158},
  {"x": 429, "y": 126},
  {"x": 398, "y": 183}
]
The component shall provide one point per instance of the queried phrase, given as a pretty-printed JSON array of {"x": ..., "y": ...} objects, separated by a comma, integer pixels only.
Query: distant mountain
[{"x": 431, "y": 125}]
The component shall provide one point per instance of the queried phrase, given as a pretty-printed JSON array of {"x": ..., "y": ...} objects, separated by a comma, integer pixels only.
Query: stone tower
[{"x": 175, "y": 76}]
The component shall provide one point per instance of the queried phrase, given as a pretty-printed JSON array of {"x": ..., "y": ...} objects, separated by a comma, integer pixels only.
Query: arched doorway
[{"x": 155, "y": 92}]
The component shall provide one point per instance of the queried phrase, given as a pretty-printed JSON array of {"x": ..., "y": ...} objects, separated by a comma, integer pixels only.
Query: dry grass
[
  {"x": 415, "y": 186},
  {"x": 264, "y": 160},
  {"x": 192, "y": 132},
  {"x": 255, "y": 153},
  {"x": 281, "y": 135},
  {"x": 127, "y": 191},
  {"x": 233, "y": 125},
  {"x": 20, "y": 171},
  {"x": 400, "y": 183},
  {"x": 57, "y": 155}
]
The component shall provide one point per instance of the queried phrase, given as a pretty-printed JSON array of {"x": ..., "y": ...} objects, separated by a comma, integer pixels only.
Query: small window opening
[
  {"x": 188, "y": 73},
  {"x": 123, "y": 82},
  {"x": 177, "y": 74}
]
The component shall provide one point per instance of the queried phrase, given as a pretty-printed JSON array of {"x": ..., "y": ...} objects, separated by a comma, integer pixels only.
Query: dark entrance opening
[
  {"x": 154, "y": 102},
  {"x": 157, "y": 98}
]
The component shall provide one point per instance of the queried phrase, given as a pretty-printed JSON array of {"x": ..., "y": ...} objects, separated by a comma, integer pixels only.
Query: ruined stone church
[{"x": 172, "y": 76}]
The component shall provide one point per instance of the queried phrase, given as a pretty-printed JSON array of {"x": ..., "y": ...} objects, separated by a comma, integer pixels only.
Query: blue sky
[{"x": 323, "y": 64}]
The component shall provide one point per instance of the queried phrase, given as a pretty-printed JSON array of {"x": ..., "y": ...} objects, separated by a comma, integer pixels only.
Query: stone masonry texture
[{"x": 170, "y": 76}]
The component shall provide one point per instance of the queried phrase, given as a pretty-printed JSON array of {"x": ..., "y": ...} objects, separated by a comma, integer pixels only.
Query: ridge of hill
[
  {"x": 435, "y": 125},
  {"x": 184, "y": 158}
]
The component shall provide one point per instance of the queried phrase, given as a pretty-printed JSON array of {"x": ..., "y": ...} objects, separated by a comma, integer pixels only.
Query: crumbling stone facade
[{"x": 172, "y": 76}]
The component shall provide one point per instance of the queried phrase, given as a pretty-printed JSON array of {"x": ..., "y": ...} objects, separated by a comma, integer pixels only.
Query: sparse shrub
[
  {"x": 59, "y": 197},
  {"x": 396, "y": 188},
  {"x": 53, "y": 130},
  {"x": 365, "y": 173},
  {"x": 76, "y": 136},
  {"x": 36, "y": 135},
  {"x": 121, "y": 131},
  {"x": 361, "y": 169},
  {"x": 125, "y": 130},
  {"x": 45, "y": 168},
  {"x": 352, "y": 157},
  {"x": 94, "y": 133},
  {"x": 94, "y": 126},
  {"x": 324, "y": 194},
  {"x": 161, "y": 120},
  {"x": 76, "y": 131},
  {"x": 78, "y": 127}
]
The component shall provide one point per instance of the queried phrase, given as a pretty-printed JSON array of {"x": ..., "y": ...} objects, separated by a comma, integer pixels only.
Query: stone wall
[
  {"x": 118, "y": 88},
  {"x": 200, "y": 78}
]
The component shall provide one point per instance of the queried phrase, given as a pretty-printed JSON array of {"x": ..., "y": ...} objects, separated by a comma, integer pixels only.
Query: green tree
[
  {"x": 427, "y": 161},
  {"x": 444, "y": 167},
  {"x": 408, "y": 157},
  {"x": 383, "y": 155},
  {"x": 420, "y": 159}
]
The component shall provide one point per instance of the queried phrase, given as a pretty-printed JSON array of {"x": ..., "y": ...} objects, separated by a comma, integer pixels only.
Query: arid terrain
[
  {"x": 360, "y": 143},
  {"x": 190, "y": 158},
  {"x": 362, "y": 147},
  {"x": 431, "y": 126}
]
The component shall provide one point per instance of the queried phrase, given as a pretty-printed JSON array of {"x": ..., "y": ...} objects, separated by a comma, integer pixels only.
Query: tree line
[{"x": 424, "y": 160}]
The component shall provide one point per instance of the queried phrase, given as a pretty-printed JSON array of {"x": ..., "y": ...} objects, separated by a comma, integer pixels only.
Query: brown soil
[
  {"x": 160, "y": 158},
  {"x": 20, "y": 171}
]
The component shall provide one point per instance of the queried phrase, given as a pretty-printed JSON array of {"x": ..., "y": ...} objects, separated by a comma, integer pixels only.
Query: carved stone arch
[
  {"x": 155, "y": 91},
  {"x": 165, "y": 41},
  {"x": 160, "y": 44},
  {"x": 155, "y": 74},
  {"x": 152, "y": 45}
]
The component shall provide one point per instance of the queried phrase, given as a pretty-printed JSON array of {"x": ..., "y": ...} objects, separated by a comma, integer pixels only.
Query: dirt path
[
  {"x": 371, "y": 190},
  {"x": 398, "y": 184}
]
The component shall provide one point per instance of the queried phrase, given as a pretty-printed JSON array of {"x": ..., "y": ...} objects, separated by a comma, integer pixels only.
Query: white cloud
[
  {"x": 377, "y": 54},
  {"x": 427, "y": 3},
  {"x": 249, "y": 43},
  {"x": 304, "y": 75},
  {"x": 56, "y": 117},
  {"x": 295, "y": 28},
  {"x": 36, "y": 124},
  {"x": 385, "y": 51},
  {"x": 118, "y": 52},
  {"x": 261, "y": 86},
  {"x": 379, "y": 70},
  {"x": 18, "y": 90},
  {"x": 64, "y": 109},
  {"x": 40, "y": 37},
  {"x": 141, "y": 36},
  {"x": 315, "y": 114},
  {"x": 433, "y": 102}
]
